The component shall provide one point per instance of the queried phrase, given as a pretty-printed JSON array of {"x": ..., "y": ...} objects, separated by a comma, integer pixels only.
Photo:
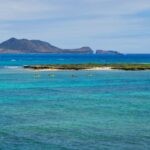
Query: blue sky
[{"x": 122, "y": 25}]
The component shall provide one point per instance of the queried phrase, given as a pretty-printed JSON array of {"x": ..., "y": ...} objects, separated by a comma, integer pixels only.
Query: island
[
  {"x": 25, "y": 46},
  {"x": 89, "y": 66},
  {"x": 110, "y": 52}
]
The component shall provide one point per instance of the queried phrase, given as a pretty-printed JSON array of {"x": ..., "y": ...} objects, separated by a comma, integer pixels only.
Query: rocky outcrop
[{"x": 107, "y": 52}]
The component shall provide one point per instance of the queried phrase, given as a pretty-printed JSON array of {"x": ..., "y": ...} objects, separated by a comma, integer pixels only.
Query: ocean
[
  {"x": 29, "y": 59},
  {"x": 73, "y": 110}
]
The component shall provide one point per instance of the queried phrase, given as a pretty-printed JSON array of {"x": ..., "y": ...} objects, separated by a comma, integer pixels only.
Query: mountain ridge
[{"x": 14, "y": 45}]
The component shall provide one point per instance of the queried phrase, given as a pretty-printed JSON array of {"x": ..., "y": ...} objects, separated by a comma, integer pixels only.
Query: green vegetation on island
[{"x": 89, "y": 66}]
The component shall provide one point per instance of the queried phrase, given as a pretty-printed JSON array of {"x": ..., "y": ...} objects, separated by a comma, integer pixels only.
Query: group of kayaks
[{"x": 53, "y": 75}]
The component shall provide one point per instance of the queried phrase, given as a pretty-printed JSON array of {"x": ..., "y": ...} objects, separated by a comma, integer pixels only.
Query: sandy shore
[{"x": 100, "y": 68}]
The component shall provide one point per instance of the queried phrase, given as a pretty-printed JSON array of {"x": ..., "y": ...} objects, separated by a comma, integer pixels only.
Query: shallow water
[{"x": 92, "y": 110}]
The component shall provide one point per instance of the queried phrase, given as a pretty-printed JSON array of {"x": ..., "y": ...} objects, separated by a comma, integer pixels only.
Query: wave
[
  {"x": 11, "y": 67},
  {"x": 13, "y": 59}
]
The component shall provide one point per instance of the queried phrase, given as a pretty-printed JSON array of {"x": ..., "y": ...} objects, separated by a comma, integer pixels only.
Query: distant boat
[{"x": 51, "y": 75}]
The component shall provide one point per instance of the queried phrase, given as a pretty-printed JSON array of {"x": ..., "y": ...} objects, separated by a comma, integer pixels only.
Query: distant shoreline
[{"x": 59, "y": 67}]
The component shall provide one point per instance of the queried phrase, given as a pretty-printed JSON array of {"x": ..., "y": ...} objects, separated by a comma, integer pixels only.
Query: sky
[{"x": 122, "y": 25}]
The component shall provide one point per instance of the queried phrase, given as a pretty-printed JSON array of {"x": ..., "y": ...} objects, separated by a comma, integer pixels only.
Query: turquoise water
[{"x": 92, "y": 110}]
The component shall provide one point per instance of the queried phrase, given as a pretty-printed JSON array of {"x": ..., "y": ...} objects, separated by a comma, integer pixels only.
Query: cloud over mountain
[{"x": 107, "y": 24}]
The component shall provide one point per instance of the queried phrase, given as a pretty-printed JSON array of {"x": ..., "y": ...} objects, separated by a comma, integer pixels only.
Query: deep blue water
[
  {"x": 26, "y": 59},
  {"x": 92, "y": 110}
]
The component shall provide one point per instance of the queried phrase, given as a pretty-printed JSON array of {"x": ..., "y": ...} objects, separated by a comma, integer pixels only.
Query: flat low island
[{"x": 89, "y": 67}]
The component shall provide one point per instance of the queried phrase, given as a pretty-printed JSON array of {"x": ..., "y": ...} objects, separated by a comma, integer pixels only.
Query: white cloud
[
  {"x": 70, "y": 23},
  {"x": 42, "y": 9}
]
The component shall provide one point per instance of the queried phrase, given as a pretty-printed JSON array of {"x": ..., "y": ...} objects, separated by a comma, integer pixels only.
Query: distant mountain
[
  {"x": 14, "y": 45},
  {"x": 107, "y": 52},
  {"x": 18, "y": 46}
]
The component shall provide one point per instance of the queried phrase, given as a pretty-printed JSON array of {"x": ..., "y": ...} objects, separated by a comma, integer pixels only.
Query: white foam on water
[
  {"x": 12, "y": 67},
  {"x": 13, "y": 59}
]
